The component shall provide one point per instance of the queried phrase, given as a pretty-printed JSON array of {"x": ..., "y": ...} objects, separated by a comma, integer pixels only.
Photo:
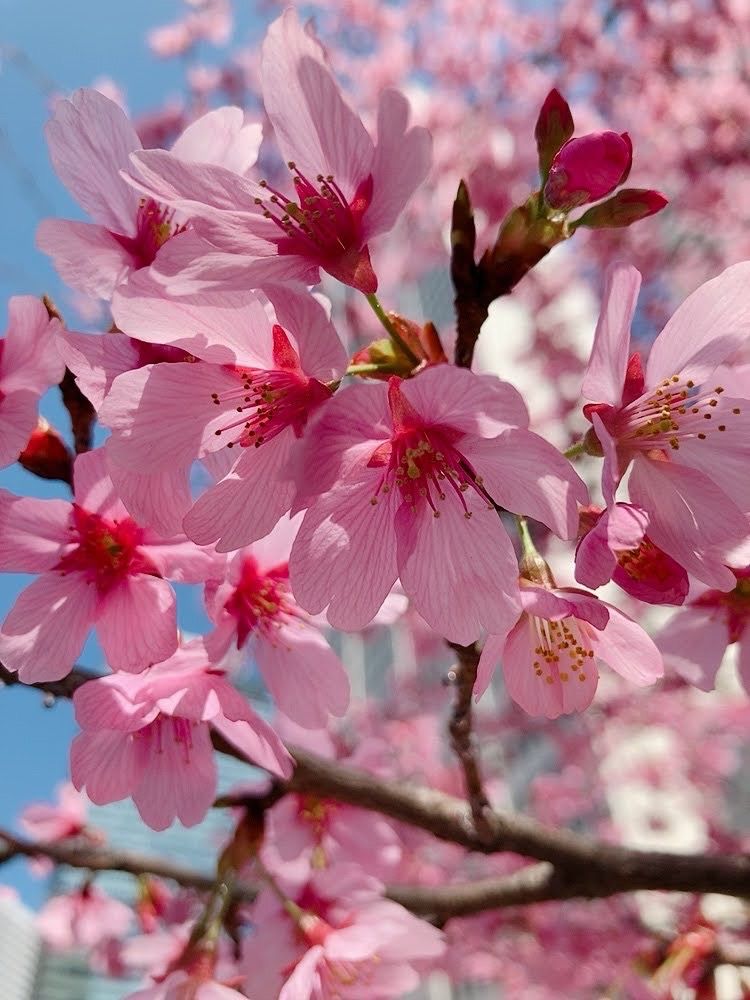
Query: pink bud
[{"x": 588, "y": 168}]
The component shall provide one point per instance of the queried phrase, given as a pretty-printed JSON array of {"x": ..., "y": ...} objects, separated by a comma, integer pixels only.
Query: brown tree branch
[{"x": 583, "y": 866}]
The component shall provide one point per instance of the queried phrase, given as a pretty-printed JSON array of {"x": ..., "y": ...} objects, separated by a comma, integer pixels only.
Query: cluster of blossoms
[{"x": 310, "y": 487}]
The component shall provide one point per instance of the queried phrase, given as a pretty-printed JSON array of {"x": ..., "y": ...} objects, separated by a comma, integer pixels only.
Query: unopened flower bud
[
  {"x": 588, "y": 168},
  {"x": 46, "y": 454}
]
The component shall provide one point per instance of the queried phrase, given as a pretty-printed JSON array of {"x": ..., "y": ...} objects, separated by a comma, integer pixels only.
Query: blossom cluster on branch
[{"x": 314, "y": 479}]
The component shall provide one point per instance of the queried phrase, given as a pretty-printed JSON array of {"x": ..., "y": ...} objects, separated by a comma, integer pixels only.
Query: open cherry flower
[
  {"x": 148, "y": 736},
  {"x": 253, "y": 608},
  {"x": 400, "y": 480},
  {"x": 688, "y": 442},
  {"x": 261, "y": 371},
  {"x": 98, "y": 569},
  {"x": 90, "y": 140},
  {"x": 347, "y": 189}
]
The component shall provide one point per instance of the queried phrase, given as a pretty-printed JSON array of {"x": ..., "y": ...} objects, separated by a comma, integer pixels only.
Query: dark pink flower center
[
  {"x": 154, "y": 226},
  {"x": 321, "y": 221},
  {"x": 267, "y": 402},
  {"x": 735, "y": 605},
  {"x": 105, "y": 551},
  {"x": 563, "y": 649},
  {"x": 261, "y": 601},
  {"x": 648, "y": 564},
  {"x": 675, "y": 411},
  {"x": 425, "y": 468}
]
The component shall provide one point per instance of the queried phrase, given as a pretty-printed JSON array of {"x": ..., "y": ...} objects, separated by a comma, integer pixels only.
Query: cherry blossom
[
  {"x": 98, "y": 569},
  {"x": 549, "y": 656},
  {"x": 347, "y": 189},
  {"x": 83, "y": 918},
  {"x": 401, "y": 481},
  {"x": 687, "y": 440},
  {"x": 56, "y": 822},
  {"x": 90, "y": 140},
  {"x": 29, "y": 364},
  {"x": 148, "y": 736}
]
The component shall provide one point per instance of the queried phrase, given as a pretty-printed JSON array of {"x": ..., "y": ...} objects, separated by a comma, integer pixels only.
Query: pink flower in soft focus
[
  {"x": 253, "y": 607},
  {"x": 689, "y": 443},
  {"x": 45, "y": 822},
  {"x": 614, "y": 546},
  {"x": 588, "y": 168},
  {"x": 347, "y": 942},
  {"x": 148, "y": 736},
  {"x": 694, "y": 641},
  {"x": 98, "y": 569},
  {"x": 347, "y": 189},
  {"x": 90, "y": 140},
  {"x": 262, "y": 372},
  {"x": 400, "y": 481},
  {"x": 549, "y": 656},
  {"x": 29, "y": 365},
  {"x": 181, "y": 985},
  {"x": 82, "y": 919}
]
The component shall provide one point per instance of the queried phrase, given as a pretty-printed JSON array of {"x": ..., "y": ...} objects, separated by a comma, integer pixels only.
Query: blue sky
[{"x": 47, "y": 46}]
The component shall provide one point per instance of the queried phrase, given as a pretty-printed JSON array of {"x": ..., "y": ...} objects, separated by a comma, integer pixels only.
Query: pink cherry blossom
[
  {"x": 90, "y": 140},
  {"x": 549, "y": 656},
  {"x": 98, "y": 569},
  {"x": 181, "y": 985},
  {"x": 614, "y": 546},
  {"x": 694, "y": 641},
  {"x": 262, "y": 371},
  {"x": 401, "y": 481},
  {"x": 82, "y": 919},
  {"x": 29, "y": 365},
  {"x": 347, "y": 941},
  {"x": 148, "y": 736},
  {"x": 588, "y": 168},
  {"x": 254, "y": 608},
  {"x": 45, "y": 822},
  {"x": 347, "y": 189},
  {"x": 688, "y": 441}
]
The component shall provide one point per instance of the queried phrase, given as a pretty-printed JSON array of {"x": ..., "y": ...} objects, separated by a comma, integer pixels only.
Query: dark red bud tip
[
  {"x": 554, "y": 127},
  {"x": 47, "y": 456}
]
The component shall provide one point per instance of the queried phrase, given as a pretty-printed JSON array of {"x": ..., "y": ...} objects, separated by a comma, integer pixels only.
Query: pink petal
[
  {"x": 115, "y": 701},
  {"x": 305, "y": 677},
  {"x": 460, "y": 399},
  {"x": 693, "y": 643},
  {"x": 33, "y": 532},
  {"x": 85, "y": 255},
  {"x": 137, "y": 623},
  {"x": 47, "y": 626},
  {"x": 706, "y": 329},
  {"x": 18, "y": 418},
  {"x": 159, "y": 498},
  {"x": 304, "y": 982},
  {"x": 595, "y": 560},
  {"x": 524, "y": 473},
  {"x": 474, "y": 554},
  {"x": 344, "y": 556},
  {"x": 724, "y": 456},
  {"x": 178, "y": 781},
  {"x": 403, "y": 157},
  {"x": 692, "y": 519},
  {"x": 259, "y": 743},
  {"x": 96, "y": 360},
  {"x": 30, "y": 359},
  {"x": 180, "y": 560},
  {"x": 611, "y": 473},
  {"x": 314, "y": 125},
  {"x": 322, "y": 355},
  {"x": 219, "y": 327},
  {"x": 90, "y": 140},
  {"x": 94, "y": 490},
  {"x": 492, "y": 654},
  {"x": 743, "y": 664},
  {"x": 106, "y": 764},
  {"x": 605, "y": 374},
  {"x": 221, "y": 136},
  {"x": 625, "y": 647}
]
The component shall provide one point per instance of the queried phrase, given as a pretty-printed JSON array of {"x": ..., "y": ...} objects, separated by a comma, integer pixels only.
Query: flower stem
[
  {"x": 393, "y": 333},
  {"x": 575, "y": 450}
]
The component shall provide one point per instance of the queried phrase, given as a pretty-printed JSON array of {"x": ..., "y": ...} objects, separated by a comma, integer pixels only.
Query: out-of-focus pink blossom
[
  {"x": 29, "y": 364},
  {"x": 549, "y": 656},
  {"x": 347, "y": 189},
  {"x": 82, "y": 919},
  {"x": 400, "y": 481},
  {"x": 147, "y": 736},
  {"x": 45, "y": 822}
]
